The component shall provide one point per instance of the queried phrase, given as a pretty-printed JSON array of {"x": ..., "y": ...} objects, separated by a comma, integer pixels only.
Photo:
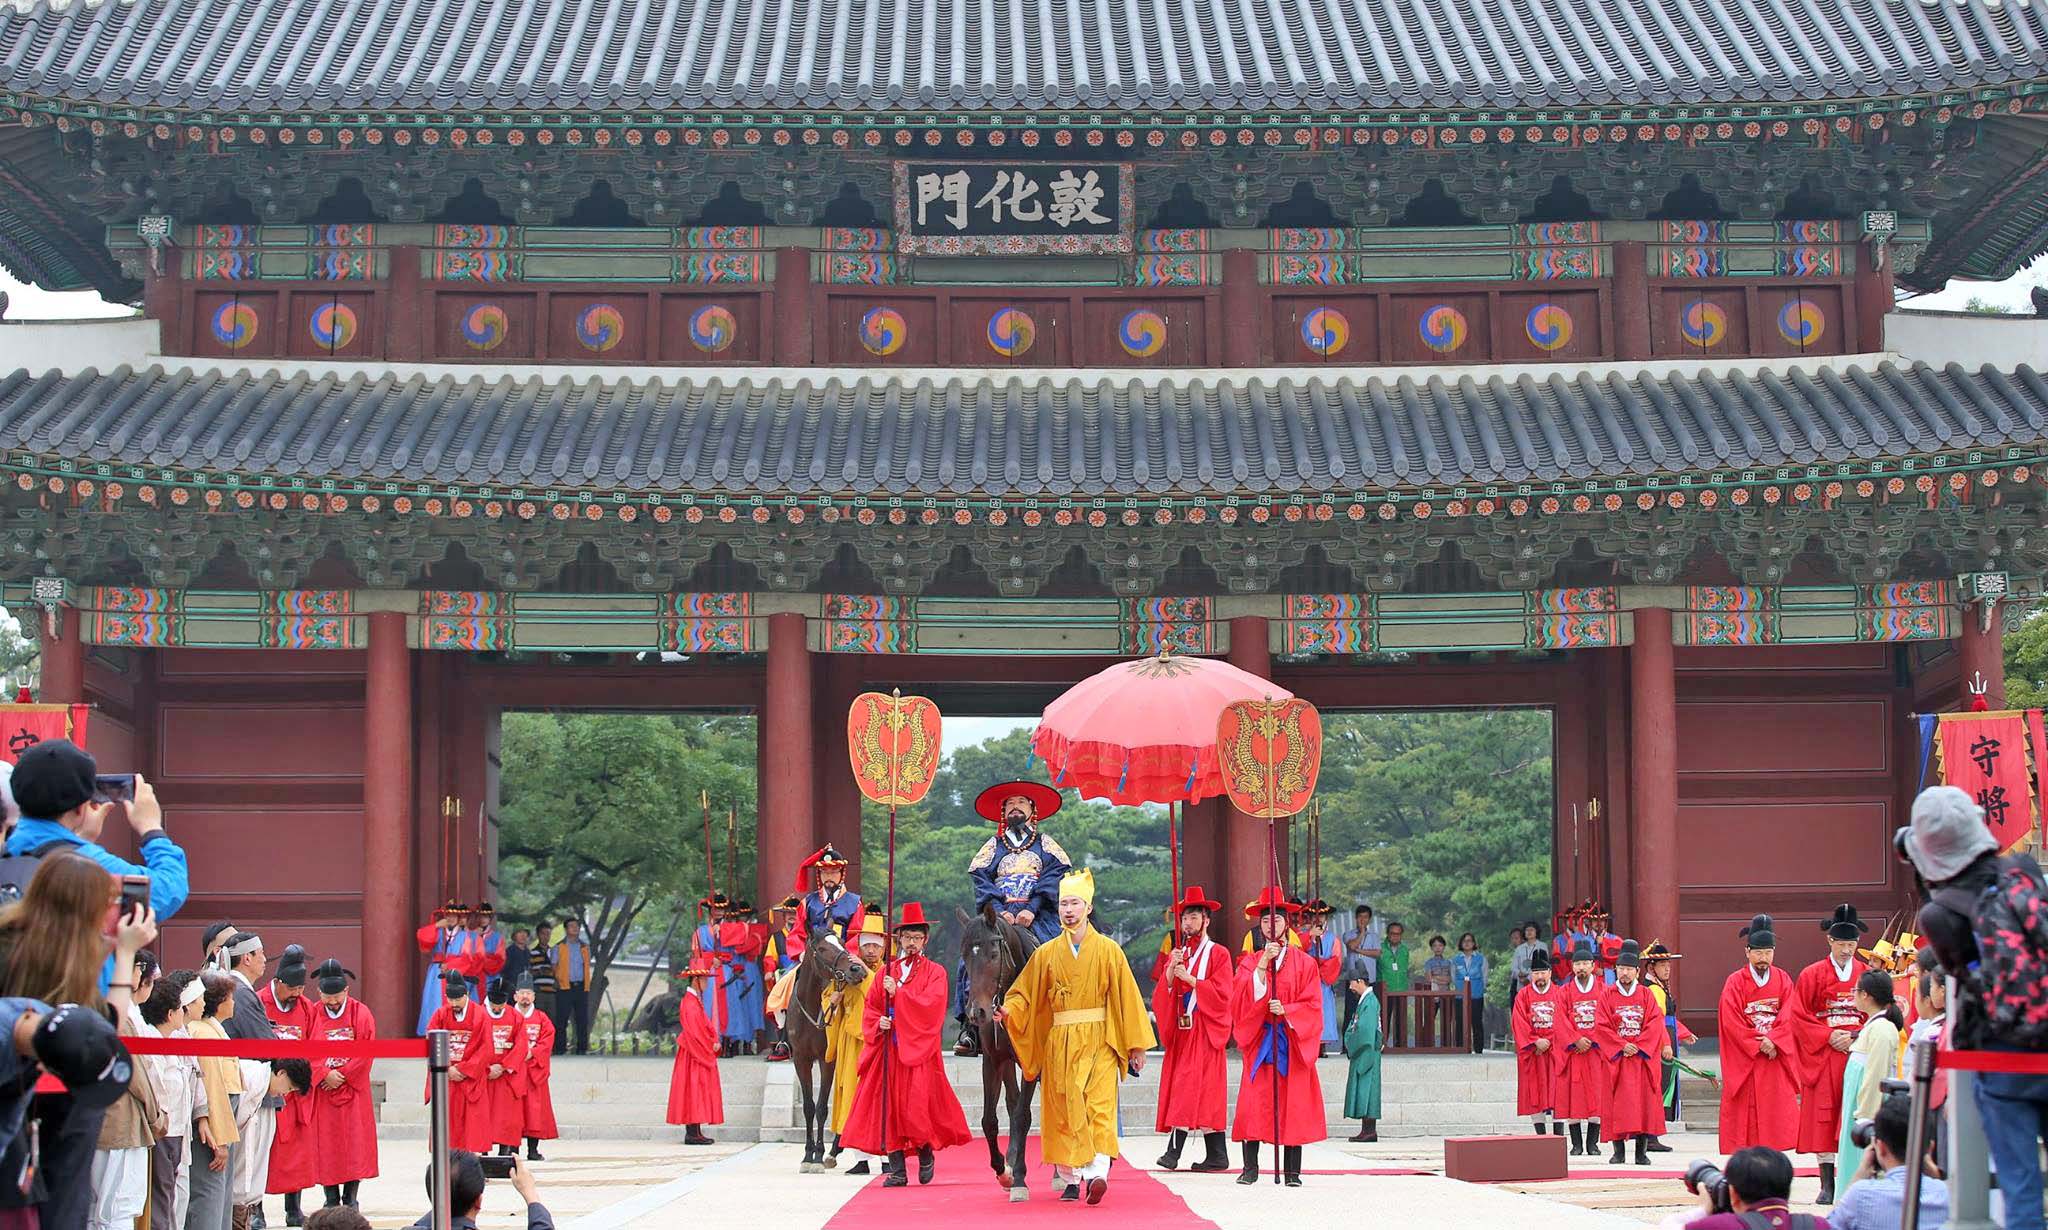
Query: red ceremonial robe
[
  {"x": 291, "y": 1153},
  {"x": 1538, "y": 1014},
  {"x": 465, "y": 1091},
  {"x": 344, "y": 1138},
  {"x": 693, "y": 1092},
  {"x": 538, "y": 1107},
  {"x": 915, "y": 1096},
  {"x": 1635, "y": 1089},
  {"x": 1759, "y": 1095},
  {"x": 501, "y": 1112},
  {"x": 1193, "y": 1080},
  {"x": 1298, "y": 985},
  {"x": 1582, "y": 1079},
  {"x": 1821, "y": 1003}
]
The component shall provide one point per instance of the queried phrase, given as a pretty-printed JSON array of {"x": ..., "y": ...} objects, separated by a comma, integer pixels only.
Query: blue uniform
[
  {"x": 842, "y": 914},
  {"x": 431, "y": 995},
  {"x": 1013, "y": 876},
  {"x": 1333, "y": 1012}
]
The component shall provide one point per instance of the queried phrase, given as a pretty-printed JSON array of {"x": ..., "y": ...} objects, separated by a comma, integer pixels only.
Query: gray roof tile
[{"x": 954, "y": 55}]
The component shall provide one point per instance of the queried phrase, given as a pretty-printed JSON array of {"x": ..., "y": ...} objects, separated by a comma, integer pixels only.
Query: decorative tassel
[
  {"x": 1194, "y": 766},
  {"x": 1124, "y": 778}
]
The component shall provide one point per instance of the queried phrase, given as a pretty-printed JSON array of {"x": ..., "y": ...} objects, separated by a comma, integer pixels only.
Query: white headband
[{"x": 194, "y": 991}]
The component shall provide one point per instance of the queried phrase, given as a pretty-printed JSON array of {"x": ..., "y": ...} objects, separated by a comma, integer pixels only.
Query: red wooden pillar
[
  {"x": 63, "y": 678},
  {"x": 1631, "y": 303},
  {"x": 1874, "y": 298},
  {"x": 790, "y": 338},
  {"x": 1247, "y": 867},
  {"x": 1653, "y": 779},
  {"x": 1241, "y": 315},
  {"x": 1981, "y": 652},
  {"x": 162, "y": 301},
  {"x": 787, "y": 818},
  {"x": 409, "y": 328},
  {"x": 387, "y": 824}
]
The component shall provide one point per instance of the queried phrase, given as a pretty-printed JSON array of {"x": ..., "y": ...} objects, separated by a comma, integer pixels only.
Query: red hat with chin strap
[
  {"x": 1195, "y": 898},
  {"x": 911, "y": 914},
  {"x": 826, "y": 856},
  {"x": 989, "y": 803},
  {"x": 1273, "y": 899}
]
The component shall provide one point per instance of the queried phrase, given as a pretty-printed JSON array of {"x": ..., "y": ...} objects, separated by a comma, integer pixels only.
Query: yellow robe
[
  {"x": 843, "y": 1044},
  {"x": 1075, "y": 1020}
]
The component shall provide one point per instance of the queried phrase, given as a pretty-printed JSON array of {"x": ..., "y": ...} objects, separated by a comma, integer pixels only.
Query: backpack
[
  {"x": 1797, "y": 1221},
  {"x": 2009, "y": 979},
  {"x": 16, "y": 870}
]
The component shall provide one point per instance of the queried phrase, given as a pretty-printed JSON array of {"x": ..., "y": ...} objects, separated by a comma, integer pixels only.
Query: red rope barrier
[
  {"x": 278, "y": 1048},
  {"x": 2033, "y": 1063}
]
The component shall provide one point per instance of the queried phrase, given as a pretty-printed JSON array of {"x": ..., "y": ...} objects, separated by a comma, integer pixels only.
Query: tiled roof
[
  {"x": 787, "y": 434},
  {"x": 1143, "y": 55}
]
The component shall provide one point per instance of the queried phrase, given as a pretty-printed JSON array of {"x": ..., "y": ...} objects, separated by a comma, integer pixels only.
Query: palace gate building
[{"x": 753, "y": 353}]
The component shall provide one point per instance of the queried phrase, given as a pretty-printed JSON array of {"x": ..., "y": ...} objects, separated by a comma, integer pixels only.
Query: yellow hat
[
  {"x": 872, "y": 925},
  {"x": 1080, "y": 884}
]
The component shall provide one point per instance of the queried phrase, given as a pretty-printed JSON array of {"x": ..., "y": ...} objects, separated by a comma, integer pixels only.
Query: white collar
[
  {"x": 499, "y": 1015},
  {"x": 1842, "y": 971},
  {"x": 334, "y": 1014},
  {"x": 1760, "y": 981},
  {"x": 525, "y": 1012},
  {"x": 243, "y": 978},
  {"x": 1587, "y": 985},
  {"x": 462, "y": 1013},
  {"x": 1631, "y": 991}
]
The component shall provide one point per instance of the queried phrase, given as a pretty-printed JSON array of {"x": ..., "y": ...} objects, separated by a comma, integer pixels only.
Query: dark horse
[
  {"x": 826, "y": 968},
  {"x": 994, "y": 952}
]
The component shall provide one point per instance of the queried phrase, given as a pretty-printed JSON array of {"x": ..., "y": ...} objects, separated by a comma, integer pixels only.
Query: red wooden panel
[
  {"x": 1713, "y": 950},
  {"x": 255, "y": 663},
  {"x": 1783, "y": 736},
  {"x": 609, "y": 328},
  {"x": 711, "y": 328},
  {"x": 1699, "y": 320},
  {"x": 1763, "y": 658},
  {"x": 304, "y": 849},
  {"x": 1811, "y": 843},
  {"x": 1801, "y": 320},
  {"x": 484, "y": 326},
  {"x": 112, "y": 743},
  {"x": 1148, "y": 331},
  {"x": 237, "y": 324},
  {"x": 180, "y": 942},
  {"x": 259, "y": 742},
  {"x": 870, "y": 330},
  {"x": 1438, "y": 328},
  {"x": 1551, "y": 326},
  {"x": 1336, "y": 329},
  {"x": 1010, "y": 331},
  {"x": 336, "y": 324}
]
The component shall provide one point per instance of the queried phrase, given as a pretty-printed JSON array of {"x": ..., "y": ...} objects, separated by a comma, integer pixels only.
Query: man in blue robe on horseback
[
  {"x": 827, "y": 901},
  {"x": 1017, "y": 871}
]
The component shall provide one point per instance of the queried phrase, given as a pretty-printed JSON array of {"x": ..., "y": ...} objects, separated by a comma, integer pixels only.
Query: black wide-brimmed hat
[
  {"x": 1631, "y": 954},
  {"x": 1760, "y": 933},
  {"x": 1583, "y": 951},
  {"x": 1843, "y": 923},
  {"x": 1540, "y": 959}
]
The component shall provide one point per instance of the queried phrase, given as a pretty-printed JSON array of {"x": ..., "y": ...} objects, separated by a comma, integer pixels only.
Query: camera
[
  {"x": 1864, "y": 1133},
  {"x": 1702, "y": 1175},
  {"x": 113, "y": 788},
  {"x": 497, "y": 1165}
]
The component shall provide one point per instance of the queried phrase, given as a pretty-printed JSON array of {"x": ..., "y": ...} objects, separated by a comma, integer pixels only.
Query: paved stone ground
[{"x": 645, "y": 1184}]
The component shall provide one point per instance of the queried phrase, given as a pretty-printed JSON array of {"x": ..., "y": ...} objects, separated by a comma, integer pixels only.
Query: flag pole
[{"x": 1271, "y": 724}]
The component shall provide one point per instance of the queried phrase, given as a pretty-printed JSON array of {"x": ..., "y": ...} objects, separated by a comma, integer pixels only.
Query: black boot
[
  {"x": 1617, "y": 1157},
  {"x": 348, "y": 1192},
  {"x": 927, "y": 1165},
  {"x": 1217, "y": 1153},
  {"x": 1578, "y": 1148},
  {"x": 1290, "y": 1165},
  {"x": 330, "y": 1197},
  {"x": 293, "y": 1214},
  {"x": 1250, "y": 1174},
  {"x": 1175, "y": 1140},
  {"x": 897, "y": 1175},
  {"x": 1642, "y": 1150},
  {"x": 533, "y": 1149},
  {"x": 1368, "y": 1132},
  {"x": 1827, "y": 1183},
  {"x": 507, "y": 1151},
  {"x": 1557, "y": 1127},
  {"x": 693, "y": 1134},
  {"x": 860, "y": 1167},
  {"x": 1543, "y": 1129},
  {"x": 1657, "y": 1145},
  {"x": 1592, "y": 1138}
]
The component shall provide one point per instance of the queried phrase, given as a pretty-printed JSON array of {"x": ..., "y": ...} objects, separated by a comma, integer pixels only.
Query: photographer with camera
[
  {"x": 466, "y": 1191},
  {"x": 1753, "y": 1193},
  {"x": 1986, "y": 918},
  {"x": 64, "y": 807},
  {"x": 1876, "y": 1197}
]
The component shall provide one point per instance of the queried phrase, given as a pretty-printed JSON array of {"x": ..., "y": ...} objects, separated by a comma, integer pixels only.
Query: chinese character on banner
[
  {"x": 24, "y": 726},
  {"x": 1986, "y": 755}
]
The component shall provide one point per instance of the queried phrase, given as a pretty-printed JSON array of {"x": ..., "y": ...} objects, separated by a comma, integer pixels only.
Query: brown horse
[
  {"x": 826, "y": 969},
  {"x": 994, "y": 953}
]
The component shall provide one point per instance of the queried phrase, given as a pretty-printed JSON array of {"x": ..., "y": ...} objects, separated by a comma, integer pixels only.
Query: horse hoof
[
  {"x": 1003, "y": 1178},
  {"x": 831, "y": 1162},
  {"x": 1018, "y": 1195},
  {"x": 810, "y": 1168}
]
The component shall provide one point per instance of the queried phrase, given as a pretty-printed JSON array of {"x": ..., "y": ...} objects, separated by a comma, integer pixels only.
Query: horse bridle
[{"x": 819, "y": 1020}]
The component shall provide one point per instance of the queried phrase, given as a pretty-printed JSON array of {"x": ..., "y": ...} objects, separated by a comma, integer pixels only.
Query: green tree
[
  {"x": 1985, "y": 307},
  {"x": 600, "y": 817},
  {"x": 20, "y": 654},
  {"x": 2026, "y": 664}
]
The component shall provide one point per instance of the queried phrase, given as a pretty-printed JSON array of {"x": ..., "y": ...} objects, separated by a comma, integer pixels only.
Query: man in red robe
[
  {"x": 460, "y": 1016},
  {"x": 694, "y": 1096},
  {"x": 291, "y": 1016},
  {"x": 1759, "y": 1050},
  {"x": 1191, "y": 1009},
  {"x": 344, "y": 1137},
  {"x": 904, "y": 1102},
  {"x": 538, "y": 1106},
  {"x": 1629, "y": 1034},
  {"x": 1825, "y": 1023},
  {"x": 501, "y": 1069},
  {"x": 1538, "y": 1021},
  {"x": 1582, "y": 1079},
  {"x": 1278, "y": 1024}
]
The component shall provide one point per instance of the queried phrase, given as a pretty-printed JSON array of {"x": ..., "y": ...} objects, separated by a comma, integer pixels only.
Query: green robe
[{"x": 1362, "y": 1044}]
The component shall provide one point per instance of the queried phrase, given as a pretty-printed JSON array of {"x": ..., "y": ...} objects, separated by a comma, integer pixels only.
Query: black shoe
[
  {"x": 1368, "y": 1132},
  {"x": 1642, "y": 1150},
  {"x": 1097, "y": 1188},
  {"x": 1557, "y": 1127},
  {"x": 293, "y": 1214},
  {"x": 1250, "y": 1174},
  {"x": 1827, "y": 1184},
  {"x": 897, "y": 1174},
  {"x": 695, "y": 1136},
  {"x": 533, "y": 1149},
  {"x": 1071, "y": 1192},
  {"x": 1542, "y": 1129},
  {"x": 1290, "y": 1165},
  {"x": 927, "y": 1165},
  {"x": 348, "y": 1193},
  {"x": 1593, "y": 1138},
  {"x": 1578, "y": 1148},
  {"x": 1170, "y": 1160},
  {"x": 860, "y": 1167},
  {"x": 1217, "y": 1154},
  {"x": 1657, "y": 1145},
  {"x": 1617, "y": 1157}
]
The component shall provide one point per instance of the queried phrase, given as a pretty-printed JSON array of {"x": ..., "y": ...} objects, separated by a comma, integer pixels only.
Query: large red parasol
[{"x": 1145, "y": 731}]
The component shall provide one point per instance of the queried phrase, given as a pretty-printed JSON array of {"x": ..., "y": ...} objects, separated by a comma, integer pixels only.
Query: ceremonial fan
[{"x": 893, "y": 742}]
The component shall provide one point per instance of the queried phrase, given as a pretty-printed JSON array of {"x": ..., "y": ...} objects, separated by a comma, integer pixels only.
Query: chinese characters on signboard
[
  {"x": 950, "y": 209},
  {"x": 1986, "y": 755}
]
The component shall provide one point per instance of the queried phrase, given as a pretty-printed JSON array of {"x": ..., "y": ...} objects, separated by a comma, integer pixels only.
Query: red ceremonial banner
[
  {"x": 1271, "y": 753},
  {"x": 1986, "y": 755},
  {"x": 893, "y": 742},
  {"x": 24, "y": 726}
]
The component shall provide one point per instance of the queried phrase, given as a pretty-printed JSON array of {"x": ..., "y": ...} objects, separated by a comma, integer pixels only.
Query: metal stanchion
[
  {"x": 1969, "y": 1156},
  {"x": 437, "y": 1126},
  {"x": 1916, "y": 1130}
]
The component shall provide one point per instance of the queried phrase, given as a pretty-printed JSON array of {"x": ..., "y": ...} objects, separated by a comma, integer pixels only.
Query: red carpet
[{"x": 966, "y": 1191}]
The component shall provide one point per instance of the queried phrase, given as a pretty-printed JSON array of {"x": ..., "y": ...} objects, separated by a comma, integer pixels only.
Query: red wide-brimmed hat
[
  {"x": 912, "y": 915},
  {"x": 1270, "y": 899},
  {"x": 1196, "y": 899},
  {"x": 989, "y": 803}
]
